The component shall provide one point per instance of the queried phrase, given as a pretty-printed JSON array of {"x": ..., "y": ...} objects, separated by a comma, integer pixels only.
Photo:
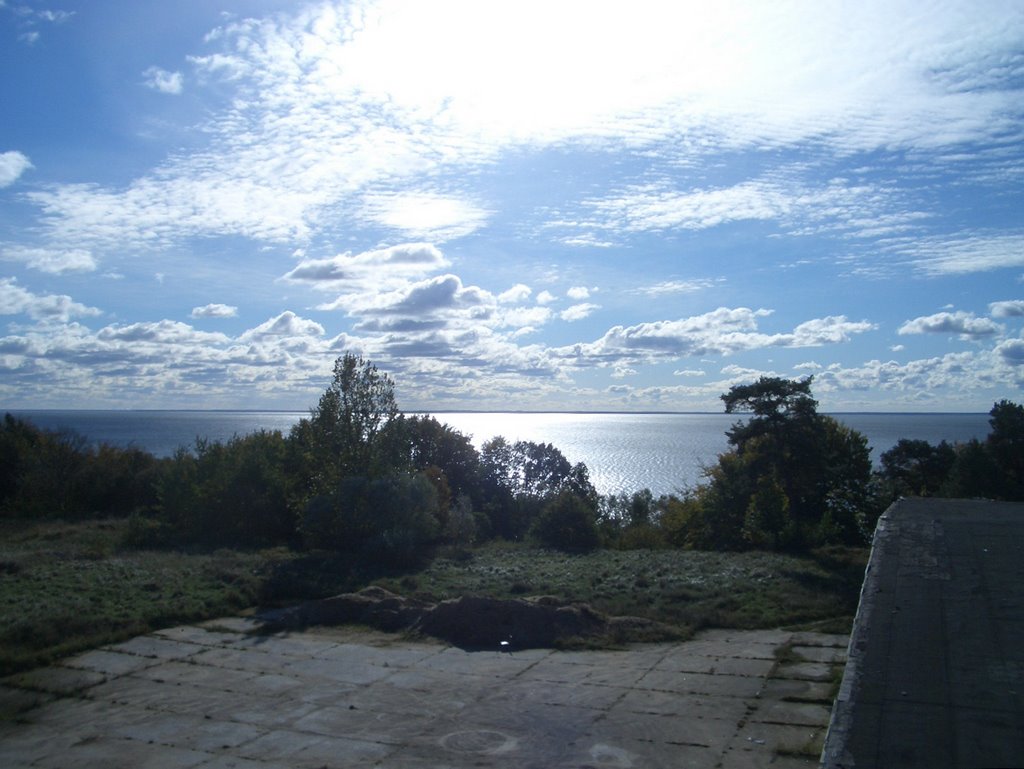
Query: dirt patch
[{"x": 474, "y": 622}]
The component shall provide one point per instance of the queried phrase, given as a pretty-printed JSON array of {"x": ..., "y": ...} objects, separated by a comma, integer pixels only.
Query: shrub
[
  {"x": 569, "y": 523},
  {"x": 233, "y": 493},
  {"x": 390, "y": 520},
  {"x": 46, "y": 473}
]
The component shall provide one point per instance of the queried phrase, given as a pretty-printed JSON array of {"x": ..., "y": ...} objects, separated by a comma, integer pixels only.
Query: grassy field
[
  {"x": 65, "y": 587},
  {"x": 691, "y": 589}
]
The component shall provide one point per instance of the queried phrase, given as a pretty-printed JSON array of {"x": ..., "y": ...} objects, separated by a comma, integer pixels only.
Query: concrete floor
[
  {"x": 936, "y": 670},
  {"x": 215, "y": 696}
]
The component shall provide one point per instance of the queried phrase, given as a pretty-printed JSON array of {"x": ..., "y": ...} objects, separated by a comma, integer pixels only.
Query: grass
[
  {"x": 66, "y": 587},
  {"x": 684, "y": 588}
]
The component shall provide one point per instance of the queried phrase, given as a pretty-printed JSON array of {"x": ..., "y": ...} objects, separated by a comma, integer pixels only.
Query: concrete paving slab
[
  {"x": 235, "y": 762},
  {"x": 25, "y": 747},
  {"x": 109, "y": 663},
  {"x": 57, "y": 679},
  {"x": 806, "y": 671},
  {"x": 15, "y": 700},
  {"x": 795, "y": 713},
  {"x": 625, "y": 676},
  {"x": 734, "y": 666},
  {"x": 759, "y": 759},
  {"x": 827, "y": 654},
  {"x": 330, "y": 697},
  {"x": 301, "y": 749},
  {"x": 675, "y": 704},
  {"x": 245, "y": 625},
  {"x": 821, "y": 639},
  {"x": 335, "y": 671},
  {"x": 363, "y": 724},
  {"x": 530, "y": 692},
  {"x": 201, "y": 636},
  {"x": 158, "y": 647},
  {"x": 180, "y": 673},
  {"x": 111, "y": 753},
  {"x": 785, "y": 739},
  {"x": 253, "y": 660},
  {"x": 796, "y": 690},
  {"x": 702, "y": 683}
]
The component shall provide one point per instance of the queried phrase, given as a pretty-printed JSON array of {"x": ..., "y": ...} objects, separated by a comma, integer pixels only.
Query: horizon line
[{"x": 646, "y": 412}]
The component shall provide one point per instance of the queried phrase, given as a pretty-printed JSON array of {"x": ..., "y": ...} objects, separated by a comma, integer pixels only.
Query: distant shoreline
[{"x": 581, "y": 412}]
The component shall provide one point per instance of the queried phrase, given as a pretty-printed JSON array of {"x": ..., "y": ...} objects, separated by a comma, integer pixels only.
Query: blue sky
[{"x": 530, "y": 205}]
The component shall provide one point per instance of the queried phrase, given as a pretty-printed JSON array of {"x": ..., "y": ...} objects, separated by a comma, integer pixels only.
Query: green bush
[
  {"x": 51, "y": 474},
  {"x": 233, "y": 493},
  {"x": 391, "y": 520},
  {"x": 568, "y": 522}
]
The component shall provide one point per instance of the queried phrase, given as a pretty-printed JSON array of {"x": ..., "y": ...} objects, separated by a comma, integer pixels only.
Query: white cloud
[
  {"x": 1007, "y": 309},
  {"x": 578, "y": 311},
  {"x": 723, "y": 331},
  {"x": 328, "y": 121},
  {"x": 525, "y": 319},
  {"x": 440, "y": 294},
  {"x": 12, "y": 165},
  {"x": 326, "y": 110},
  {"x": 15, "y": 300},
  {"x": 163, "y": 81},
  {"x": 1012, "y": 352},
  {"x": 965, "y": 255},
  {"x": 163, "y": 332},
  {"x": 834, "y": 329},
  {"x": 854, "y": 210},
  {"x": 379, "y": 269},
  {"x": 965, "y": 324},
  {"x": 53, "y": 261},
  {"x": 518, "y": 293},
  {"x": 56, "y": 17},
  {"x": 215, "y": 311},
  {"x": 546, "y": 297},
  {"x": 284, "y": 326},
  {"x": 951, "y": 377},
  {"x": 676, "y": 287},
  {"x": 578, "y": 293}
]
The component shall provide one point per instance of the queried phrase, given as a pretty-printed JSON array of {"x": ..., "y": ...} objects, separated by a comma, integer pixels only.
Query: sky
[{"x": 607, "y": 206}]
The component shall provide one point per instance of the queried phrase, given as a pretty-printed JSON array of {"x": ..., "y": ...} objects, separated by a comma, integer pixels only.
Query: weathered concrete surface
[
  {"x": 215, "y": 696},
  {"x": 935, "y": 676}
]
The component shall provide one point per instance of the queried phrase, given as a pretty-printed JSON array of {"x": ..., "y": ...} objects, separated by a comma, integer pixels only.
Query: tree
[
  {"x": 773, "y": 401},
  {"x": 974, "y": 473},
  {"x": 1006, "y": 443},
  {"x": 233, "y": 493},
  {"x": 354, "y": 429},
  {"x": 567, "y": 522},
  {"x": 916, "y": 468},
  {"x": 519, "y": 478},
  {"x": 793, "y": 478},
  {"x": 433, "y": 444}
]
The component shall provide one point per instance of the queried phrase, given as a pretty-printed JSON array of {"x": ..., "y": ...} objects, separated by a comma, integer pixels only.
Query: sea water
[{"x": 624, "y": 452}]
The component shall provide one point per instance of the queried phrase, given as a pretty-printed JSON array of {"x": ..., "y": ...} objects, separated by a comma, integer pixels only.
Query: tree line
[{"x": 358, "y": 477}]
